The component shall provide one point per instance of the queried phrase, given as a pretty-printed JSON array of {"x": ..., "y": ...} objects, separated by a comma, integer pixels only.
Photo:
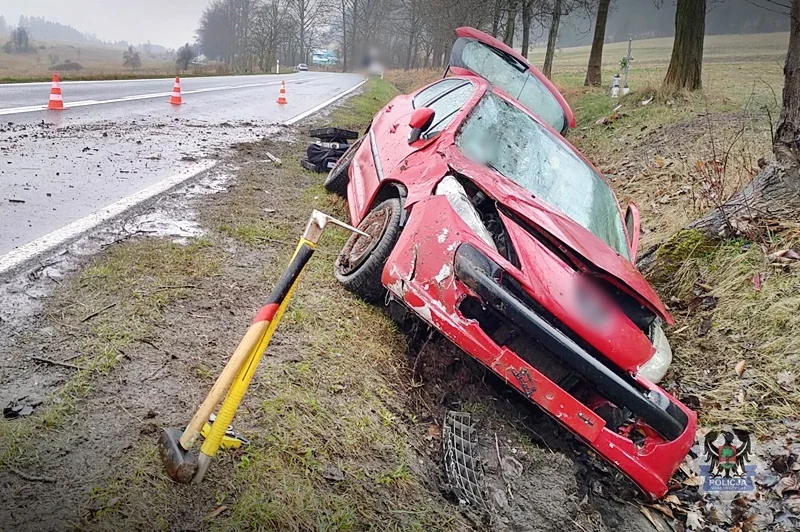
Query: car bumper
[{"x": 450, "y": 248}]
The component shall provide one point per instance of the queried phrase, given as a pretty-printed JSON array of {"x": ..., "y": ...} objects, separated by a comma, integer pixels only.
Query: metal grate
[{"x": 461, "y": 462}]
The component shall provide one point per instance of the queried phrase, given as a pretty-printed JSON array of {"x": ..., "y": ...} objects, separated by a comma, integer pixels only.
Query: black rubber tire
[
  {"x": 338, "y": 177},
  {"x": 363, "y": 275}
]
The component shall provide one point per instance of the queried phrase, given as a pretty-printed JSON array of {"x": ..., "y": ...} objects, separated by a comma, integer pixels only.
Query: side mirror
[
  {"x": 632, "y": 227},
  {"x": 421, "y": 120}
]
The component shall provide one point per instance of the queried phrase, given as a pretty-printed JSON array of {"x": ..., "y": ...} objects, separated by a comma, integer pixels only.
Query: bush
[{"x": 68, "y": 65}]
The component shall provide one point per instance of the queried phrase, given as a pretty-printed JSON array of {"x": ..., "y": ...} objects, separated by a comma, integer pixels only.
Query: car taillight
[{"x": 450, "y": 188}]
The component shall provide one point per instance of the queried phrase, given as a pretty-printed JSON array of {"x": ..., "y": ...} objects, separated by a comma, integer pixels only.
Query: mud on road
[{"x": 130, "y": 326}]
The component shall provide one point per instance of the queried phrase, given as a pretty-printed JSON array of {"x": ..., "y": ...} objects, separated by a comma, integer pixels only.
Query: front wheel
[
  {"x": 360, "y": 264},
  {"x": 338, "y": 177}
]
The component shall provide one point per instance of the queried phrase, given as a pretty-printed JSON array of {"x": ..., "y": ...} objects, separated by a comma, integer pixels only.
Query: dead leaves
[
  {"x": 739, "y": 368},
  {"x": 790, "y": 484}
]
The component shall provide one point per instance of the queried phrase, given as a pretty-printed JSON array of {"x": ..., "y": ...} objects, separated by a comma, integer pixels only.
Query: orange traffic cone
[
  {"x": 282, "y": 94},
  {"x": 176, "y": 93},
  {"x": 56, "y": 102}
]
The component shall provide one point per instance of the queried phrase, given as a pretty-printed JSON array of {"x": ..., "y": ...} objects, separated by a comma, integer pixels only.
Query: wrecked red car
[{"x": 489, "y": 226}]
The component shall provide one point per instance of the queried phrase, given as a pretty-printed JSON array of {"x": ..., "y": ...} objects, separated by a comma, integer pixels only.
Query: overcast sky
[{"x": 167, "y": 22}]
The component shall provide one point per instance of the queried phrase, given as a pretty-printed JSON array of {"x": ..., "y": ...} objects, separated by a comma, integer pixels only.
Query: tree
[
  {"x": 185, "y": 56},
  {"x": 19, "y": 41},
  {"x": 130, "y": 58},
  {"x": 551, "y": 38},
  {"x": 594, "y": 72},
  {"x": 686, "y": 64}
]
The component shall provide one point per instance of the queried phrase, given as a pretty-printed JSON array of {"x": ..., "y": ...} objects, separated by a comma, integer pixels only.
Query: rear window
[
  {"x": 427, "y": 95},
  {"x": 507, "y": 73}
]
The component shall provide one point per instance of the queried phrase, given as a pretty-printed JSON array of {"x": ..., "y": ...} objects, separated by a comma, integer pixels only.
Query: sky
[{"x": 170, "y": 23}]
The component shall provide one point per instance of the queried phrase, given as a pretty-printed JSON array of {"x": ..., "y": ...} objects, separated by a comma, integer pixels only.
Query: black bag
[{"x": 323, "y": 155}]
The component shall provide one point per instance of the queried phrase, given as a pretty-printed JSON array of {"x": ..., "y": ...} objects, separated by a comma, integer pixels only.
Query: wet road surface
[{"x": 59, "y": 166}]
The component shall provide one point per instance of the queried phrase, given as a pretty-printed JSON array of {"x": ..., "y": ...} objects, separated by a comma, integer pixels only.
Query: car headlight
[
  {"x": 450, "y": 188},
  {"x": 655, "y": 368}
]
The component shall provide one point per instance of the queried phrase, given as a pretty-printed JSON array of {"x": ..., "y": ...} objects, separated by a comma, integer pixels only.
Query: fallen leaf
[
  {"x": 434, "y": 432},
  {"x": 694, "y": 521},
  {"x": 787, "y": 485},
  {"x": 672, "y": 499},
  {"x": 756, "y": 280},
  {"x": 649, "y": 517},
  {"x": 692, "y": 481},
  {"x": 333, "y": 473},
  {"x": 663, "y": 509},
  {"x": 218, "y": 510},
  {"x": 704, "y": 327},
  {"x": 739, "y": 368},
  {"x": 659, "y": 161},
  {"x": 512, "y": 468},
  {"x": 785, "y": 380}
]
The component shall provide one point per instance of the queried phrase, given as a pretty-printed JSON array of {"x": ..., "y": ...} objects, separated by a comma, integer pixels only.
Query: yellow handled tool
[{"x": 175, "y": 446}]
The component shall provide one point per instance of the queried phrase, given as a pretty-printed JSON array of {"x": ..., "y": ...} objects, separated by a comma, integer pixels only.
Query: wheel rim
[
  {"x": 359, "y": 247},
  {"x": 342, "y": 162}
]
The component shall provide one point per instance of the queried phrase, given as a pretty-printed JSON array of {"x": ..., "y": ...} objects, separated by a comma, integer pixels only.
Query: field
[
  {"x": 99, "y": 61},
  {"x": 345, "y": 414}
]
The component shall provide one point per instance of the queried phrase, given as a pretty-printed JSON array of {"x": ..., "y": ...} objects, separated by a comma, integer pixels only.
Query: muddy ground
[{"x": 129, "y": 327}]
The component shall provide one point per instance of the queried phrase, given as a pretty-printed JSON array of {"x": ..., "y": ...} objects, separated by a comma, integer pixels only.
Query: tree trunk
[
  {"x": 344, "y": 35},
  {"x": 551, "y": 39},
  {"x": 527, "y": 5},
  {"x": 686, "y": 64},
  {"x": 775, "y": 191},
  {"x": 594, "y": 72},
  {"x": 508, "y": 38},
  {"x": 496, "y": 18}
]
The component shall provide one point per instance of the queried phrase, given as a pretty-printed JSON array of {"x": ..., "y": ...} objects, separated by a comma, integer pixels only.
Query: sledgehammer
[{"x": 175, "y": 446}]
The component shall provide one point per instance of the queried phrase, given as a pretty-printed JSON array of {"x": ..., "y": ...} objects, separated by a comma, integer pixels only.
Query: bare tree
[
  {"x": 594, "y": 72},
  {"x": 130, "y": 58},
  {"x": 552, "y": 37}
]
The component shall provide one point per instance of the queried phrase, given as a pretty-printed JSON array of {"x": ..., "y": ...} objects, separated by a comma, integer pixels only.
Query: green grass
[
  {"x": 359, "y": 111},
  {"x": 130, "y": 286},
  {"x": 331, "y": 392}
]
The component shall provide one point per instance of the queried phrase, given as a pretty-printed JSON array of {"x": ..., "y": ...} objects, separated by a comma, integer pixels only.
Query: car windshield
[{"x": 507, "y": 140}]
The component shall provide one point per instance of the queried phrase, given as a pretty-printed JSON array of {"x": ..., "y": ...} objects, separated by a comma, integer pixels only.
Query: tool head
[
  {"x": 316, "y": 225},
  {"x": 181, "y": 464}
]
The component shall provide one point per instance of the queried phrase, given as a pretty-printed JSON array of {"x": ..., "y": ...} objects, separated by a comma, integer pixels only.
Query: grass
[
  {"x": 128, "y": 287},
  {"x": 329, "y": 399}
]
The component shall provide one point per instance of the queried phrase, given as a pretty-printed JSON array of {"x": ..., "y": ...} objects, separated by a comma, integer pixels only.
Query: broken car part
[
  {"x": 461, "y": 463},
  {"x": 175, "y": 446}
]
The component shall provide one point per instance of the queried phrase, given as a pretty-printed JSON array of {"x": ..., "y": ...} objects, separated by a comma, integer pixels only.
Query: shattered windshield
[{"x": 507, "y": 140}]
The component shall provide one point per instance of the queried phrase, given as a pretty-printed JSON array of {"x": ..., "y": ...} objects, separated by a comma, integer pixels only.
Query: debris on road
[
  {"x": 323, "y": 154},
  {"x": 461, "y": 463},
  {"x": 20, "y": 408}
]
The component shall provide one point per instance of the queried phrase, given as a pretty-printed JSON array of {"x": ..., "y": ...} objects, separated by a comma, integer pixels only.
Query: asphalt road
[{"x": 119, "y": 137}]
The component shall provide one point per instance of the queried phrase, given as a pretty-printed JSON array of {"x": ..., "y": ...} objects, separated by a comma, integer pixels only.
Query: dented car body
[{"x": 489, "y": 226}]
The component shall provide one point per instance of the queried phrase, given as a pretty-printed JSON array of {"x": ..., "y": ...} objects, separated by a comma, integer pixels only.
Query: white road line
[
  {"x": 69, "y": 232},
  {"x": 84, "y": 103},
  {"x": 322, "y": 105},
  {"x": 61, "y": 236}
]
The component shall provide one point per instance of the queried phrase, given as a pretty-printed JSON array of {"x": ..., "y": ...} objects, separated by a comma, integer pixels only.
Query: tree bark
[
  {"x": 496, "y": 18},
  {"x": 594, "y": 72},
  {"x": 527, "y": 5},
  {"x": 512, "y": 16},
  {"x": 686, "y": 65},
  {"x": 551, "y": 39},
  {"x": 787, "y": 137}
]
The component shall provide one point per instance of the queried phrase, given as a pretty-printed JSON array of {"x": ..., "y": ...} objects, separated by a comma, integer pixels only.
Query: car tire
[
  {"x": 338, "y": 177},
  {"x": 360, "y": 264}
]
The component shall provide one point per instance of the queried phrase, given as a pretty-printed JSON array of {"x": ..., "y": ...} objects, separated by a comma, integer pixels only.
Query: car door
[
  {"x": 480, "y": 54},
  {"x": 389, "y": 143}
]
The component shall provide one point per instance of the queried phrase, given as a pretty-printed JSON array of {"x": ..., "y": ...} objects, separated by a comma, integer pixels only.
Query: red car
[{"x": 492, "y": 228}]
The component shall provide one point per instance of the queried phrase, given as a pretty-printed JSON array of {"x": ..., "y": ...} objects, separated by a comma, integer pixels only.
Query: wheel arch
[{"x": 391, "y": 189}]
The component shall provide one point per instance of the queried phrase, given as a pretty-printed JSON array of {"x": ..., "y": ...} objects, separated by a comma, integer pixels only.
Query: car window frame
[
  {"x": 458, "y": 83},
  {"x": 426, "y": 135}
]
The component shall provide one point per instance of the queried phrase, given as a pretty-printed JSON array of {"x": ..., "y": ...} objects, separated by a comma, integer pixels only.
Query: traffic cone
[
  {"x": 282, "y": 94},
  {"x": 56, "y": 102},
  {"x": 176, "y": 93}
]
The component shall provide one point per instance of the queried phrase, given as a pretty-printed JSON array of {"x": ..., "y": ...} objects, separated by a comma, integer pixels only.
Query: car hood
[{"x": 582, "y": 243}]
